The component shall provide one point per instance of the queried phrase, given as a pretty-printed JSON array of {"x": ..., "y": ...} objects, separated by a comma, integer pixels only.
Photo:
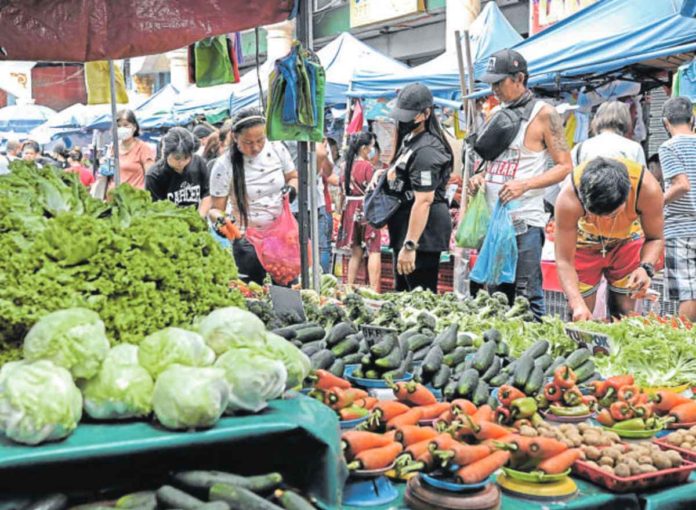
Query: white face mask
[{"x": 124, "y": 133}]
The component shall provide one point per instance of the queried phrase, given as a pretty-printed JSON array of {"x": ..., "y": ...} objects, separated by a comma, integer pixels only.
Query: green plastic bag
[{"x": 473, "y": 226}]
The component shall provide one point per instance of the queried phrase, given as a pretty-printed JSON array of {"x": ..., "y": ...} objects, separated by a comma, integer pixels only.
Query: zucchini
[
  {"x": 215, "y": 505},
  {"x": 322, "y": 359},
  {"x": 352, "y": 359},
  {"x": 171, "y": 497},
  {"x": 481, "y": 393},
  {"x": 467, "y": 382},
  {"x": 492, "y": 335},
  {"x": 404, "y": 367},
  {"x": 537, "y": 350},
  {"x": 372, "y": 374},
  {"x": 384, "y": 346},
  {"x": 391, "y": 360},
  {"x": 349, "y": 345},
  {"x": 441, "y": 378},
  {"x": 510, "y": 367},
  {"x": 578, "y": 357},
  {"x": 433, "y": 360},
  {"x": 465, "y": 340},
  {"x": 358, "y": 372},
  {"x": 535, "y": 381},
  {"x": 484, "y": 356},
  {"x": 144, "y": 500},
  {"x": 206, "y": 479},
  {"x": 338, "y": 367},
  {"x": 238, "y": 498},
  {"x": 366, "y": 360},
  {"x": 585, "y": 371},
  {"x": 421, "y": 353},
  {"x": 460, "y": 367},
  {"x": 56, "y": 501},
  {"x": 493, "y": 370},
  {"x": 408, "y": 334},
  {"x": 419, "y": 341},
  {"x": 556, "y": 363},
  {"x": 312, "y": 347},
  {"x": 544, "y": 361},
  {"x": 455, "y": 357},
  {"x": 310, "y": 334},
  {"x": 447, "y": 340},
  {"x": 503, "y": 349},
  {"x": 339, "y": 333},
  {"x": 499, "y": 379},
  {"x": 293, "y": 501},
  {"x": 523, "y": 370},
  {"x": 287, "y": 333},
  {"x": 450, "y": 389}
]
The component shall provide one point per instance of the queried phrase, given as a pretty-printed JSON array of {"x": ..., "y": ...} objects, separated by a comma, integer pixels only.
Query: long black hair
[
  {"x": 357, "y": 142},
  {"x": 432, "y": 126},
  {"x": 245, "y": 119}
]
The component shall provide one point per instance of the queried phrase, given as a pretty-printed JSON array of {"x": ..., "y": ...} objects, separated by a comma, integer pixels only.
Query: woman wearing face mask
[
  {"x": 180, "y": 176},
  {"x": 135, "y": 157},
  {"x": 253, "y": 174},
  {"x": 420, "y": 229},
  {"x": 356, "y": 234}
]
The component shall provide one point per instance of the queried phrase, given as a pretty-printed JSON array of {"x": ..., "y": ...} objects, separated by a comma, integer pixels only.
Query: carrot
[
  {"x": 432, "y": 411},
  {"x": 532, "y": 447},
  {"x": 484, "y": 413},
  {"x": 326, "y": 380},
  {"x": 483, "y": 429},
  {"x": 665, "y": 400},
  {"x": 384, "y": 411},
  {"x": 507, "y": 393},
  {"x": 424, "y": 462},
  {"x": 463, "y": 454},
  {"x": 442, "y": 442},
  {"x": 443, "y": 421},
  {"x": 413, "y": 452},
  {"x": 410, "y": 417},
  {"x": 462, "y": 405},
  {"x": 413, "y": 393},
  {"x": 339, "y": 398},
  {"x": 352, "y": 412},
  {"x": 410, "y": 434},
  {"x": 560, "y": 463},
  {"x": 356, "y": 441},
  {"x": 366, "y": 403},
  {"x": 618, "y": 381},
  {"x": 376, "y": 458},
  {"x": 684, "y": 413},
  {"x": 391, "y": 435},
  {"x": 482, "y": 469}
]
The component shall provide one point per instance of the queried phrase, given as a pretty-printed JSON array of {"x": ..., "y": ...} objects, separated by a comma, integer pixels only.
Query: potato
[
  {"x": 592, "y": 439},
  {"x": 577, "y": 440},
  {"x": 675, "y": 439},
  {"x": 605, "y": 441},
  {"x": 693, "y": 429},
  {"x": 647, "y": 468},
  {"x": 592, "y": 463},
  {"x": 606, "y": 461},
  {"x": 548, "y": 433},
  {"x": 646, "y": 444},
  {"x": 661, "y": 460},
  {"x": 582, "y": 427},
  {"x": 612, "y": 452},
  {"x": 568, "y": 442},
  {"x": 613, "y": 436},
  {"x": 566, "y": 427},
  {"x": 606, "y": 468},
  {"x": 645, "y": 459},
  {"x": 633, "y": 465},
  {"x": 674, "y": 458},
  {"x": 623, "y": 470},
  {"x": 528, "y": 431},
  {"x": 687, "y": 445},
  {"x": 593, "y": 453}
]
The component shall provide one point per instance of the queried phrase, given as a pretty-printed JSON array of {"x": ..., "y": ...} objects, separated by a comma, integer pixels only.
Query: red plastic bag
[{"x": 278, "y": 246}]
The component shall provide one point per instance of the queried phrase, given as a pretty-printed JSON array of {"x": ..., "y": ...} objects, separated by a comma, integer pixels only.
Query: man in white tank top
[{"x": 537, "y": 158}]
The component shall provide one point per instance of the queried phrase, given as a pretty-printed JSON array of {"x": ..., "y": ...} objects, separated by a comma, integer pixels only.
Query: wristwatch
[
  {"x": 410, "y": 246},
  {"x": 649, "y": 269}
]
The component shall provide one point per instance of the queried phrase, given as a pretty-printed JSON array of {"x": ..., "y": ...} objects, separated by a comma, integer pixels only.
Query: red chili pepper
[
  {"x": 590, "y": 401},
  {"x": 564, "y": 377},
  {"x": 621, "y": 411},
  {"x": 572, "y": 396},
  {"x": 502, "y": 415},
  {"x": 620, "y": 380},
  {"x": 629, "y": 393},
  {"x": 507, "y": 393},
  {"x": 552, "y": 392},
  {"x": 604, "y": 417},
  {"x": 643, "y": 410},
  {"x": 599, "y": 388}
]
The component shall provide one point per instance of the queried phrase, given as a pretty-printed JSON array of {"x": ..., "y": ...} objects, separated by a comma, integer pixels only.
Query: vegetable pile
[
  {"x": 562, "y": 397},
  {"x": 141, "y": 266},
  {"x": 683, "y": 438}
]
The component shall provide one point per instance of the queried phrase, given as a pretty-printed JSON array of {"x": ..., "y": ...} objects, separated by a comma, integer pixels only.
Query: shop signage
[
  {"x": 597, "y": 342},
  {"x": 544, "y": 13},
  {"x": 369, "y": 12}
]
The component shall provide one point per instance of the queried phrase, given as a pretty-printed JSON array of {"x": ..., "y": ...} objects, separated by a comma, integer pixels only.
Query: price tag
[
  {"x": 287, "y": 300},
  {"x": 596, "y": 342}
]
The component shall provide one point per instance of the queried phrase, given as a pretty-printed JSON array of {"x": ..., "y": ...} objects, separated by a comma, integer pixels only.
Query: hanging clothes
[
  {"x": 98, "y": 83},
  {"x": 213, "y": 61},
  {"x": 357, "y": 120},
  {"x": 296, "y": 97}
]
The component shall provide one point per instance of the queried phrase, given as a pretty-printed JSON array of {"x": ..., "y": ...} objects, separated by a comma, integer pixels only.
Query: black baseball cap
[
  {"x": 502, "y": 64},
  {"x": 201, "y": 131},
  {"x": 411, "y": 101}
]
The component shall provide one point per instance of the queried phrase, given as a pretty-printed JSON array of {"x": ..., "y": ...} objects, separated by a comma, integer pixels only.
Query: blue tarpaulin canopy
[
  {"x": 489, "y": 33},
  {"x": 156, "y": 111}
]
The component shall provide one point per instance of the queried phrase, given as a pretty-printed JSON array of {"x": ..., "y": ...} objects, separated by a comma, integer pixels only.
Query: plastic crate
[{"x": 689, "y": 455}]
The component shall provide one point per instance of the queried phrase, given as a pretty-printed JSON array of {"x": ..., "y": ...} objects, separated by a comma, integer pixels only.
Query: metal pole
[
  {"x": 114, "y": 127},
  {"x": 314, "y": 216}
]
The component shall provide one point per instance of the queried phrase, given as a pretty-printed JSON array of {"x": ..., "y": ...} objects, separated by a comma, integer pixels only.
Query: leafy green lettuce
[
  {"x": 232, "y": 327},
  {"x": 173, "y": 346}
]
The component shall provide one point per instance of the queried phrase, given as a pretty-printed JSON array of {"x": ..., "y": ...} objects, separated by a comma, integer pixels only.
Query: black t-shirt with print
[
  {"x": 424, "y": 165},
  {"x": 184, "y": 189}
]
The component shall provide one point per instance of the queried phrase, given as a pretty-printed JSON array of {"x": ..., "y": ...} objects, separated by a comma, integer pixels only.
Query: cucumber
[
  {"x": 535, "y": 381},
  {"x": 469, "y": 362},
  {"x": 465, "y": 340},
  {"x": 287, "y": 333},
  {"x": 460, "y": 367},
  {"x": 310, "y": 334},
  {"x": 433, "y": 360},
  {"x": 364, "y": 346},
  {"x": 419, "y": 341},
  {"x": 537, "y": 350},
  {"x": 171, "y": 497},
  {"x": 339, "y": 333},
  {"x": 352, "y": 359},
  {"x": 544, "y": 361},
  {"x": 492, "y": 335},
  {"x": 347, "y": 346},
  {"x": 556, "y": 363},
  {"x": 421, "y": 353},
  {"x": 503, "y": 349},
  {"x": 578, "y": 357},
  {"x": 384, "y": 346},
  {"x": 322, "y": 359},
  {"x": 358, "y": 372},
  {"x": 142, "y": 500},
  {"x": 338, "y": 367},
  {"x": 585, "y": 371},
  {"x": 404, "y": 367},
  {"x": 450, "y": 389},
  {"x": 56, "y": 501},
  {"x": 447, "y": 340},
  {"x": 499, "y": 379},
  {"x": 313, "y": 347},
  {"x": 467, "y": 382},
  {"x": 238, "y": 498},
  {"x": 455, "y": 357},
  {"x": 297, "y": 343},
  {"x": 441, "y": 378},
  {"x": 391, "y": 360},
  {"x": 481, "y": 393},
  {"x": 215, "y": 505},
  {"x": 510, "y": 367},
  {"x": 408, "y": 334},
  {"x": 484, "y": 356},
  {"x": 372, "y": 374},
  {"x": 366, "y": 360},
  {"x": 523, "y": 370},
  {"x": 293, "y": 501},
  {"x": 493, "y": 370}
]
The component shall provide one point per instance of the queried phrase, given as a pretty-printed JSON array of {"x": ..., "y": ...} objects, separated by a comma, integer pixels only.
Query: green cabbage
[
  {"x": 296, "y": 362},
  {"x": 38, "y": 402},
  {"x": 190, "y": 397},
  {"x": 254, "y": 379},
  {"x": 122, "y": 389},
  {"x": 231, "y": 327},
  {"x": 173, "y": 345},
  {"x": 73, "y": 339}
]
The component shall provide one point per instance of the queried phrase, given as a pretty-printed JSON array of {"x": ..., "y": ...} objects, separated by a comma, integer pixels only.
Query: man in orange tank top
[{"x": 601, "y": 218}]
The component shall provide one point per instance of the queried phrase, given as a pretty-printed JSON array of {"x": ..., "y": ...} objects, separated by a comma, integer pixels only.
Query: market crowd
[{"x": 618, "y": 218}]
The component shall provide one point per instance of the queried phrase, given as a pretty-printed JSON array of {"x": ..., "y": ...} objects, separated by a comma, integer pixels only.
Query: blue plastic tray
[
  {"x": 351, "y": 424},
  {"x": 375, "y": 383},
  {"x": 448, "y": 485}
]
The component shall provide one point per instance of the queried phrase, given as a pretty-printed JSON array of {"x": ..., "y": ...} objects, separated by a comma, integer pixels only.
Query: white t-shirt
[
  {"x": 607, "y": 145},
  {"x": 264, "y": 176}
]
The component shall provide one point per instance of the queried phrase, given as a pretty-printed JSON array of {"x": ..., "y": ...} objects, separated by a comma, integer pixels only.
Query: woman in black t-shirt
[
  {"x": 420, "y": 230},
  {"x": 180, "y": 175}
]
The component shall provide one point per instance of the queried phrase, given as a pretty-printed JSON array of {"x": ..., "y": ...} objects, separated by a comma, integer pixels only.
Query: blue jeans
[
  {"x": 325, "y": 234},
  {"x": 528, "y": 278}
]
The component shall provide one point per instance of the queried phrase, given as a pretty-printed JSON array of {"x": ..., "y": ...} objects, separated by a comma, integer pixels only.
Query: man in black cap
[
  {"x": 536, "y": 158},
  {"x": 202, "y": 132}
]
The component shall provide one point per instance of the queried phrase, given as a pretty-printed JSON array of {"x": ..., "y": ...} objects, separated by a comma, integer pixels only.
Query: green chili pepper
[
  {"x": 578, "y": 410},
  {"x": 632, "y": 424},
  {"x": 542, "y": 401},
  {"x": 523, "y": 407}
]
